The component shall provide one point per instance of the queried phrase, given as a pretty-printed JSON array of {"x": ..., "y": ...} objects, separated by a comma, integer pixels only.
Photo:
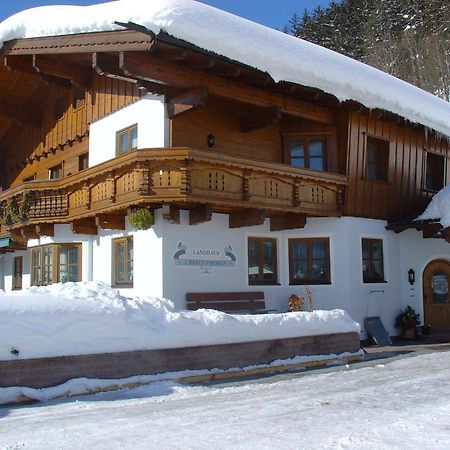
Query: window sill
[
  {"x": 262, "y": 283},
  {"x": 374, "y": 281},
  {"x": 123, "y": 286},
  {"x": 309, "y": 283}
]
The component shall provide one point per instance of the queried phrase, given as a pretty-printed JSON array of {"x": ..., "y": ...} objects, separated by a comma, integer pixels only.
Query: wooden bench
[{"x": 230, "y": 302}]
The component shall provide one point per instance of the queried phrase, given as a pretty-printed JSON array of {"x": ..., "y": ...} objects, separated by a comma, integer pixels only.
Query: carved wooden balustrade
[{"x": 176, "y": 175}]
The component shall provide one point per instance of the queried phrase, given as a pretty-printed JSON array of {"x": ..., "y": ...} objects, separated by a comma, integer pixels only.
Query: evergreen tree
[{"x": 406, "y": 38}]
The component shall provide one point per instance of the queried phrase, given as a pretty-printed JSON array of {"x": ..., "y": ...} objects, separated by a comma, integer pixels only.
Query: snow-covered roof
[
  {"x": 283, "y": 57},
  {"x": 439, "y": 208}
]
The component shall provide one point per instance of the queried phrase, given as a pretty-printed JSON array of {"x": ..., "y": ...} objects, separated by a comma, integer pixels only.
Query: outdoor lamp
[
  {"x": 210, "y": 140},
  {"x": 411, "y": 276}
]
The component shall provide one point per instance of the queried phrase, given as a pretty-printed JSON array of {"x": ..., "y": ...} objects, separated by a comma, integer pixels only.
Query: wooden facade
[{"x": 229, "y": 143}]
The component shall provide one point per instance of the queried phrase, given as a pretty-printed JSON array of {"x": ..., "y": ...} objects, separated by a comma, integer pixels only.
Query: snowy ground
[{"x": 400, "y": 404}]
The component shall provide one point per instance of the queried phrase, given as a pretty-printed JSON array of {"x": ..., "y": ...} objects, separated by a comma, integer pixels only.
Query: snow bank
[
  {"x": 283, "y": 57},
  {"x": 439, "y": 208},
  {"x": 85, "y": 318}
]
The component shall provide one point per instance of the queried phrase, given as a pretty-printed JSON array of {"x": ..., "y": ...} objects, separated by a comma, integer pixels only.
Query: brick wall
[{"x": 44, "y": 372}]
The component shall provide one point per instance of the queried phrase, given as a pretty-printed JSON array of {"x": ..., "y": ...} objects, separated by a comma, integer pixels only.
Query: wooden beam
[
  {"x": 171, "y": 213},
  {"x": 187, "y": 101},
  {"x": 111, "y": 221},
  {"x": 262, "y": 119},
  {"x": 108, "y": 65},
  {"x": 431, "y": 230},
  {"x": 79, "y": 76},
  {"x": 167, "y": 72},
  {"x": 29, "y": 117},
  {"x": 200, "y": 214},
  {"x": 85, "y": 226},
  {"x": 287, "y": 222},
  {"x": 247, "y": 218},
  {"x": 25, "y": 64},
  {"x": 45, "y": 229}
]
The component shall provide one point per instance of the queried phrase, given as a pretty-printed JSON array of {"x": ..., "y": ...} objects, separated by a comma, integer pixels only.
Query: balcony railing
[{"x": 179, "y": 176}]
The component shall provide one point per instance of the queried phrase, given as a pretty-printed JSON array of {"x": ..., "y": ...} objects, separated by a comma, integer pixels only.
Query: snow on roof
[
  {"x": 91, "y": 317},
  {"x": 283, "y": 57},
  {"x": 439, "y": 208}
]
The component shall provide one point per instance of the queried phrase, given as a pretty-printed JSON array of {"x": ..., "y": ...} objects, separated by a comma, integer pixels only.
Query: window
[
  {"x": 377, "y": 159},
  {"x": 372, "y": 260},
  {"x": 55, "y": 263},
  {"x": 17, "y": 273},
  {"x": 83, "y": 161},
  {"x": 123, "y": 262},
  {"x": 309, "y": 261},
  {"x": 30, "y": 178},
  {"x": 434, "y": 172},
  {"x": 262, "y": 261},
  {"x": 55, "y": 172},
  {"x": 126, "y": 140},
  {"x": 307, "y": 152}
]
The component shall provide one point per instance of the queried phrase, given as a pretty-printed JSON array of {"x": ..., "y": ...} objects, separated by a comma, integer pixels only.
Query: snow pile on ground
[
  {"x": 84, "y": 318},
  {"x": 283, "y": 57},
  {"x": 439, "y": 208}
]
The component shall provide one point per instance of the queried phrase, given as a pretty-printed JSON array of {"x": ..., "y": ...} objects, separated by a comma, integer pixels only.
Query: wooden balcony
[{"x": 184, "y": 178}]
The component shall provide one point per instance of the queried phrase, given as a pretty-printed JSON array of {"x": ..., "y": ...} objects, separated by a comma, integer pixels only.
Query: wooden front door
[{"x": 436, "y": 300}]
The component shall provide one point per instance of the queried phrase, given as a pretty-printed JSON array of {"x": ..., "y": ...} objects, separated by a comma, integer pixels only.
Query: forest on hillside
[{"x": 409, "y": 39}]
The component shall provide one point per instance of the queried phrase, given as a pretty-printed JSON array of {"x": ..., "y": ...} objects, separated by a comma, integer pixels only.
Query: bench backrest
[{"x": 226, "y": 301}]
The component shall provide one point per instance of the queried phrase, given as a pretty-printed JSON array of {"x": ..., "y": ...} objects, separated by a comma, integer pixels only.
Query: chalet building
[{"x": 266, "y": 163}]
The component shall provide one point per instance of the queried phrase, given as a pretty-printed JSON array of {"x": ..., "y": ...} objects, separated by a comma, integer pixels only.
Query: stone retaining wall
[{"x": 44, "y": 372}]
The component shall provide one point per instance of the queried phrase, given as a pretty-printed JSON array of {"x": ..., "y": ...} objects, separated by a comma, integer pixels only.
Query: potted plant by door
[{"x": 408, "y": 320}]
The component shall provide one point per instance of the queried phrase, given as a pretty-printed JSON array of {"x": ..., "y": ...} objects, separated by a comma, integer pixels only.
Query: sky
[{"x": 272, "y": 13}]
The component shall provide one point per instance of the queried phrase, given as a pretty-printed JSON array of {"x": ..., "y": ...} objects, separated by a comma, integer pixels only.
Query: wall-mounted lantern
[
  {"x": 210, "y": 140},
  {"x": 411, "y": 276}
]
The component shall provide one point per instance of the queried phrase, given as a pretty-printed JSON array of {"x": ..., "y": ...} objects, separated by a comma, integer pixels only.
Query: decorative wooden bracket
[
  {"x": 45, "y": 229},
  {"x": 200, "y": 214},
  {"x": 85, "y": 226},
  {"x": 171, "y": 213},
  {"x": 29, "y": 232},
  {"x": 289, "y": 221},
  {"x": 431, "y": 230},
  {"x": 187, "y": 101},
  {"x": 262, "y": 119},
  {"x": 246, "y": 218},
  {"x": 110, "y": 221}
]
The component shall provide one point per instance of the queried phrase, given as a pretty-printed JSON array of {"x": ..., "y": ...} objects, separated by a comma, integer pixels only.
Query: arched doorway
[{"x": 436, "y": 300}]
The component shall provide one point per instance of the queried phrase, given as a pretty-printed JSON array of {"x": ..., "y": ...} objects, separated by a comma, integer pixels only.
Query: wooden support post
[
  {"x": 45, "y": 229},
  {"x": 200, "y": 214},
  {"x": 171, "y": 213},
  {"x": 246, "y": 218},
  {"x": 289, "y": 221},
  {"x": 110, "y": 221},
  {"x": 85, "y": 226}
]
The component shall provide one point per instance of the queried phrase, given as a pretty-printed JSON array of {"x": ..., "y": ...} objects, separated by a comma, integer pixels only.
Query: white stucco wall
[
  {"x": 156, "y": 274},
  {"x": 346, "y": 290},
  {"x": 153, "y": 128},
  {"x": 415, "y": 253}
]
